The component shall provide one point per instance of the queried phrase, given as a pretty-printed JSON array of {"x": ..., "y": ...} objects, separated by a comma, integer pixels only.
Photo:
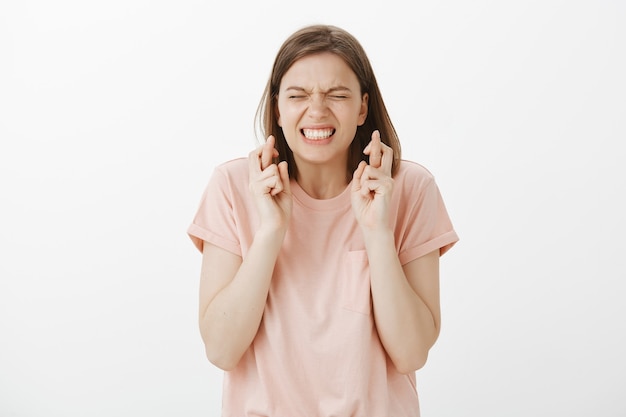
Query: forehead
[{"x": 323, "y": 70}]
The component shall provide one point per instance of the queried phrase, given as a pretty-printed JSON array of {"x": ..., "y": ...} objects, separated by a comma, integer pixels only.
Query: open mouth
[{"x": 317, "y": 134}]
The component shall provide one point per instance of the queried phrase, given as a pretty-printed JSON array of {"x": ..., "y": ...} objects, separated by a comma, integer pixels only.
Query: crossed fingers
[
  {"x": 380, "y": 155},
  {"x": 263, "y": 172}
]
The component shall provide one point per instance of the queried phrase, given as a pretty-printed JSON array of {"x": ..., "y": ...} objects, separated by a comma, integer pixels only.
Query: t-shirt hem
[
  {"x": 199, "y": 235},
  {"x": 443, "y": 243}
]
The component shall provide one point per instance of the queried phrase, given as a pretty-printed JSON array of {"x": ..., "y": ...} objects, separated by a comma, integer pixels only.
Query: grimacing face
[{"x": 319, "y": 107}]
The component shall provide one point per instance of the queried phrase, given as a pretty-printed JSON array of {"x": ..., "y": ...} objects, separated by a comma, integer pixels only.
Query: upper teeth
[{"x": 317, "y": 133}]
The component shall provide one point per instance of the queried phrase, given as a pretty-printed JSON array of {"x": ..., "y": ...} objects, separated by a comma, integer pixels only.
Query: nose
[{"x": 317, "y": 105}]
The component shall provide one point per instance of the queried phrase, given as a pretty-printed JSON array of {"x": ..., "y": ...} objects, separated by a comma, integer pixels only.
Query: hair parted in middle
[{"x": 317, "y": 39}]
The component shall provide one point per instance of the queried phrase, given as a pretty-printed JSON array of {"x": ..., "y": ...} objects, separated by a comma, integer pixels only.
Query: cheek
[
  {"x": 288, "y": 116},
  {"x": 347, "y": 110}
]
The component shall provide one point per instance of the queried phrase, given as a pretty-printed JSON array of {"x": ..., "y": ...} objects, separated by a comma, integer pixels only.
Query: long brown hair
[{"x": 325, "y": 38}]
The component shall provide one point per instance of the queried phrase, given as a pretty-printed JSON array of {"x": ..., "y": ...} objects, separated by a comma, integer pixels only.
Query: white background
[{"x": 113, "y": 115}]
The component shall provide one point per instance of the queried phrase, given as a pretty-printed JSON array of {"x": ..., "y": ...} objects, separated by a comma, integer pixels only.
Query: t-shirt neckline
[{"x": 339, "y": 201}]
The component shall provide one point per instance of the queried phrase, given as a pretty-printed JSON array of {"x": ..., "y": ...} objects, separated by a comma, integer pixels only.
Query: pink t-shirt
[{"x": 317, "y": 351}]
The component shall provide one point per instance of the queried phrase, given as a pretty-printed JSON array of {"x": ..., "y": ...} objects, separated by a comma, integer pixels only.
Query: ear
[
  {"x": 363, "y": 110},
  {"x": 278, "y": 122}
]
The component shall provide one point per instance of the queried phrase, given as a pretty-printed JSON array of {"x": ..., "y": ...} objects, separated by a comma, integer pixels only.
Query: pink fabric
[{"x": 317, "y": 352}]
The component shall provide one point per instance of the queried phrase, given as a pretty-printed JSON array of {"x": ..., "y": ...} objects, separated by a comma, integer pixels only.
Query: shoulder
[
  {"x": 228, "y": 176},
  {"x": 412, "y": 174},
  {"x": 237, "y": 166},
  {"x": 232, "y": 171}
]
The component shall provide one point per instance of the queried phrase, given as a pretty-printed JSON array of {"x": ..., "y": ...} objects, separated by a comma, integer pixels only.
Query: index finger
[
  {"x": 386, "y": 159},
  {"x": 375, "y": 150},
  {"x": 268, "y": 152}
]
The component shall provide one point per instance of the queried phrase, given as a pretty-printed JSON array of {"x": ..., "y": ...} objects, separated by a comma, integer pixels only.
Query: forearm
[
  {"x": 406, "y": 325},
  {"x": 231, "y": 320}
]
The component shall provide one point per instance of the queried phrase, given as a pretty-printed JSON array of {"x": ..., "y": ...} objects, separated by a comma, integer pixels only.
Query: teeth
[{"x": 316, "y": 134}]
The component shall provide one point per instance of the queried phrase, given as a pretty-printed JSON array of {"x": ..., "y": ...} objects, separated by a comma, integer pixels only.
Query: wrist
[
  {"x": 377, "y": 237},
  {"x": 270, "y": 236}
]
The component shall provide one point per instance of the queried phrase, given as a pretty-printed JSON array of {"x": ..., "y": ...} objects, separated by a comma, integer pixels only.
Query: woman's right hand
[{"x": 269, "y": 185}]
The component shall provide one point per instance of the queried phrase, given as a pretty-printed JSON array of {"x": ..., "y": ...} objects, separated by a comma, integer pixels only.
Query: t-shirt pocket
[{"x": 355, "y": 293}]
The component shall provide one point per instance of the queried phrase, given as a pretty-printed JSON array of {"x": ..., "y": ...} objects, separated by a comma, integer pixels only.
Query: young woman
[{"x": 319, "y": 291}]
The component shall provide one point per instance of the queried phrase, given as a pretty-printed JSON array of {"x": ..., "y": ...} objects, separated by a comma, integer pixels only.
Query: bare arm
[
  {"x": 406, "y": 302},
  {"x": 232, "y": 298},
  {"x": 405, "y": 299},
  {"x": 233, "y": 291}
]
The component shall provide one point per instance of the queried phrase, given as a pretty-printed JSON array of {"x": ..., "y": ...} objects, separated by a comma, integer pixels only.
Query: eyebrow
[{"x": 330, "y": 90}]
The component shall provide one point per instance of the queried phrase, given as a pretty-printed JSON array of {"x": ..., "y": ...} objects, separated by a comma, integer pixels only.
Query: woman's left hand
[{"x": 372, "y": 186}]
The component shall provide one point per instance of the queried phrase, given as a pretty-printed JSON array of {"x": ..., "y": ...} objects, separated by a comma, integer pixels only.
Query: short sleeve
[
  {"x": 423, "y": 221},
  {"x": 214, "y": 220}
]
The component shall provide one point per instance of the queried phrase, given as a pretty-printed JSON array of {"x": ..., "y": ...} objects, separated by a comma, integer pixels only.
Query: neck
[{"x": 323, "y": 182}]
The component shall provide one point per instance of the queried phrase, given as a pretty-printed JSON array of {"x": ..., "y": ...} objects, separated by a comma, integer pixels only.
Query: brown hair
[{"x": 313, "y": 40}]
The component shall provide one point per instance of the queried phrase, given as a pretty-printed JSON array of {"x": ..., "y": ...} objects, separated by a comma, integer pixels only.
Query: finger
[
  {"x": 366, "y": 188},
  {"x": 374, "y": 150},
  {"x": 369, "y": 187},
  {"x": 268, "y": 152},
  {"x": 281, "y": 178},
  {"x": 268, "y": 181},
  {"x": 386, "y": 159},
  {"x": 357, "y": 175},
  {"x": 278, "y": 187},
  {"x": 283, "y": 172}
]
